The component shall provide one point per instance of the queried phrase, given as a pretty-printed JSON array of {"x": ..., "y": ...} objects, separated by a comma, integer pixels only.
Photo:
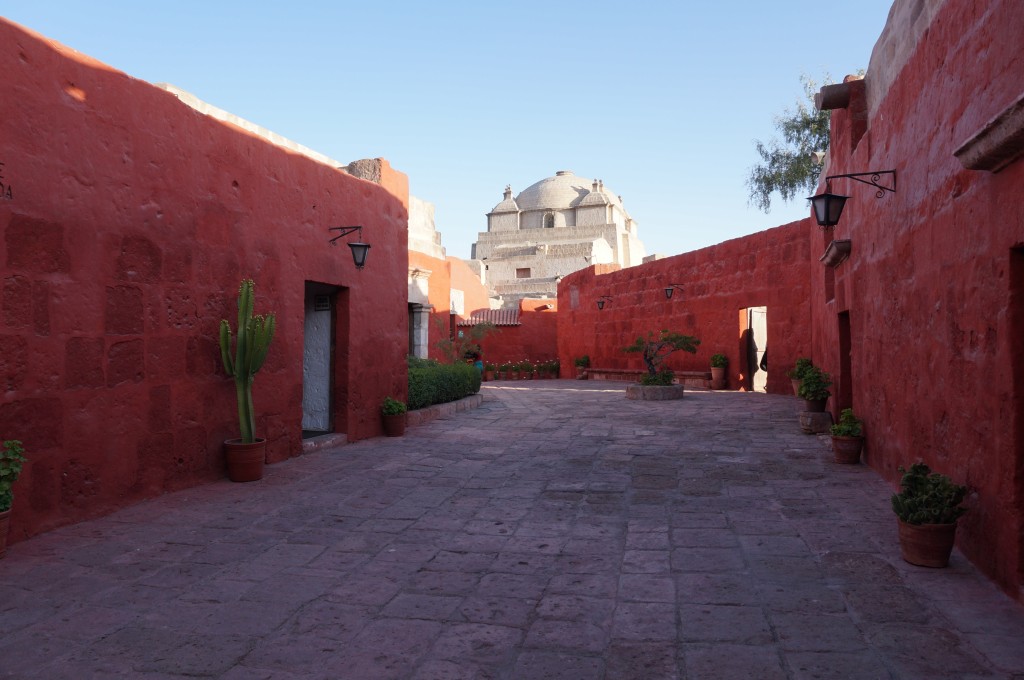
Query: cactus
[{"x": 251, "y": 345}]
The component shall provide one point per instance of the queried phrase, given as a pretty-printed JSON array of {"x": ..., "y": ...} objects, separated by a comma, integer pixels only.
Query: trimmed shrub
[{"x": 433, "y": 383}]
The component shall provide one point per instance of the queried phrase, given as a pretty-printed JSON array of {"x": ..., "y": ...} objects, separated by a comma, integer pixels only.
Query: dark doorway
[{"x": 844, "y": 390}]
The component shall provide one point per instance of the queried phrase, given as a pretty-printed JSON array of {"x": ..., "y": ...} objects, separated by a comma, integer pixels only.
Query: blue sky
[{"x": 661, "y": 100}]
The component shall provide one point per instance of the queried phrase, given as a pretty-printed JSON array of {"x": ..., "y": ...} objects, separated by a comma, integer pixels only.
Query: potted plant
[
  {"x": 656, "y": 384},
  {"x": 847, "y": 438},
  {"x": 796, "y": 373},
  {"x": 582, "y": 364},
  {"x": 245, "y": 456},
  {"x": 505, "y": 371},
  {"x": 719, "y": 362},
  {"x": 11, "y": 460},
  {"x": 394, "y": 412},
  {"x": 489, "y": 370},
  {"x": 814, "y": 389},
  {"x": 928, "y": 506}
]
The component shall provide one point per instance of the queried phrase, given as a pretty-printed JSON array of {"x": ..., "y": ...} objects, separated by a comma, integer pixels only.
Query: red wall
[
  {"x": 132, "y": 219},
  {"x": 770, "y": 268},
  {"x": 535, "y": 338},
  {"x": 934, "y": 288}
]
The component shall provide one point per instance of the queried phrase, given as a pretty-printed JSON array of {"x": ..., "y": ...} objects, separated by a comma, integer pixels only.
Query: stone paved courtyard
[{"x": 559, "y": 531}]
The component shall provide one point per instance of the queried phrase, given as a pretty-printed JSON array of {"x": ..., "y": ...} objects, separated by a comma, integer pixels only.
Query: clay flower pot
[
  {"x": 718, "y": 377},
  {"x": 394, "y": 425},
  {"x": 5, "y": 524},
  {"x": 815, "y": 405},
  {"x": 245, "y": 461},
  {"x": 927, "y": 545},
  {"x": 846, "y": 450}
]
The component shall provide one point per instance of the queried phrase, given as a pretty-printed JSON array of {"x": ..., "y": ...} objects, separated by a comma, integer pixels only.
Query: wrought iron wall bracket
[
  {"x": 874, "y": 177},
  {"x": 344, "y": 231}
]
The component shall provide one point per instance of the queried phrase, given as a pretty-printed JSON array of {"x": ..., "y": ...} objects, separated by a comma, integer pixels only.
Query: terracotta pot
[
  {"x": 846, "y": 450},
  {"x": 513, "y": 375},
  {"x": 488, "y": 375},
  {"x": 927, "y": 545},
  {"x": 718, "y": 377},
  {"x": 245, "y": 461},
  {"x": 394, "y": 426},
  {"x": 815, "y": 405},
  {"x": 796, "y": 386},
  {"x": 5, "y": 525}
]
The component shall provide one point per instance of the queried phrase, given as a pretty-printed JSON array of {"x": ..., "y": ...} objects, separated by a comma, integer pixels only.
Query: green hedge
[{"x": 431, "y": 382}]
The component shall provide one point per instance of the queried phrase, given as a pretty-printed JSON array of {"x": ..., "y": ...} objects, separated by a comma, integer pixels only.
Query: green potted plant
[
  {"x": 654, "y": 350},
  {"x": 246, "y": 455},
  {"x": 11, "y": 460},
  {"x": 582, "y": 364},
  {"x": 719, "y": 362},
  {"x": 394, "y": 412},
  {"x": 489, "y": 370},
  {"x": 796, "y": 373},
  {"x": 847, "y": 438},
  {"x": 505, "y": 371},
  {"x": 814, "y": 389},
  {"x": 927, "y": 507}
]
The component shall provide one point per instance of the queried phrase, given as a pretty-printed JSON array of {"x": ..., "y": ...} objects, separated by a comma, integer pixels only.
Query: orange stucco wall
[
  {"x": 770, "y": 268},
  {"x": 130, "y": 221},
  {"x": 534, "y": 339}
]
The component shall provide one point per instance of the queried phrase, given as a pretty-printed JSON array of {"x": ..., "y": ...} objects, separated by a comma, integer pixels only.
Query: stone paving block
[
  {"x": 707, "y": 559},
  {"x": 500, "y": 611},
  {"x": 329, "y": 619},
  {"x": 804, "y": 632},
  {"x": 642, "y": 661},
  {"x": 647, "y": 588},
  {"x": 479, "y": 642},
  {"x": 365, "y": 589},
  {"x": 417, "y": 606},
  {"x": 542, "y": 665},
  {"x": 808, "y": 597},
  {"x": 576, "y": 608},
  {"x": 724, "y": 623},
  {"x": 593, "y": 585},
  {"x": 439, "y": 669},
  {"x": 573, "y": 636},
  {"x": 523, "y": 563},
  {"x": 714, "y": 662},
  {"x": 924, "y": 651},
  {"x": 646, "y": 561},
  {"x": 442, "y": 582},
  {"x": 837, "y": 664},
  {"x": 644, "y": 621},
  {"x": 523, "y": 586}
]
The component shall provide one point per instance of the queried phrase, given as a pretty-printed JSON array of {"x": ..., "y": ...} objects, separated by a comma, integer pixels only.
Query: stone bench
[{"x": 701, "y": 379}]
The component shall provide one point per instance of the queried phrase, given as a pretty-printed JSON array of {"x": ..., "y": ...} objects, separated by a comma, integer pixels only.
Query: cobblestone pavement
[{"x": 559, "y": 531}]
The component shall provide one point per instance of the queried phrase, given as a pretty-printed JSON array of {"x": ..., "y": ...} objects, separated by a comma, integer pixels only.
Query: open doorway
[{"x": 754, "y": 348}]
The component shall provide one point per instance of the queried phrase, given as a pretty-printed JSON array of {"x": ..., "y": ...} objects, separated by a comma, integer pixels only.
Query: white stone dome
[{"x": 564, "y": 190}]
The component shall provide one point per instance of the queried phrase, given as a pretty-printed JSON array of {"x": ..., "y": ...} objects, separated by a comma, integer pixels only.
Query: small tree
[
  {"x": 787, "y": 167},
  {"x": 464, "y": 343},
  {"x": 655, "y": 349}
]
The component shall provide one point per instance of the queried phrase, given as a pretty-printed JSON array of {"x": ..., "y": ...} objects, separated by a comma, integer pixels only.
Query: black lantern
[
  {"x": 827, "y": 208},
  {"x": 359, "y": 249},
  {"x": 359, "y": 253},
  {"x": 671, "y": 288},
  {"x": 602, "y": 300}
]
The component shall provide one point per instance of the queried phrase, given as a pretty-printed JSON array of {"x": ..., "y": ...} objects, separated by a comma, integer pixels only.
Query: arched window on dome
[{"x": 549, "y": 221}]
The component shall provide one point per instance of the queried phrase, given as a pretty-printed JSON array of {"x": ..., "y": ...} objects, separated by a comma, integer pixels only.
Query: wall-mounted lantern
[
  {"x": 828, "y": 206},
  {"x": 602, "y": 300},
  {"x": 671, "y": 288},
  {"x": 359, "y": 249}
]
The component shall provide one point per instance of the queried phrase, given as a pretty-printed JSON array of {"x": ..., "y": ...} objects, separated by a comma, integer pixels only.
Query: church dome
[{"x": 564, "y": 190}]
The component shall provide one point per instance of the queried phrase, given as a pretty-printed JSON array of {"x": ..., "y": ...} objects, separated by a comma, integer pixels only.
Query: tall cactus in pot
[{"x": 251, "y": 345}]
